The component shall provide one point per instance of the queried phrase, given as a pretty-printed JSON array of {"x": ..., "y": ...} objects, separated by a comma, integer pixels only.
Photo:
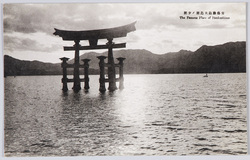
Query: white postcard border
[{"x": 117, "y": 157}]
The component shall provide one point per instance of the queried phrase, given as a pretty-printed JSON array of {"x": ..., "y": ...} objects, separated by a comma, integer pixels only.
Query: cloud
[
  {"x": 22, "y": 18},
  {"x": 13, "y": 43},
  {"x": 133, "y": 38},
  {"x": 27, "y": 18},
  {"x": 240, "y": 23},
  {"x": 29, "y": 28},
  {"x": 167, "y": 41},
  {"x": 167, "y": 16}
]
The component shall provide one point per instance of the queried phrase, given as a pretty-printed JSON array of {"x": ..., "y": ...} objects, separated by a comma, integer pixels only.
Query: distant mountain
[
  {"x": 228, "y": 57},
  {"x": 14, "y": 67},
  {"x": 225, "y": 58},
  {"x": 137, "y": 61}
]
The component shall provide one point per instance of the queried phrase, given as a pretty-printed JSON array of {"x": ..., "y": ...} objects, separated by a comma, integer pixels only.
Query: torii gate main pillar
[
  {"x": 111, "y": 67},
  {"x": 77, "y": 85}
]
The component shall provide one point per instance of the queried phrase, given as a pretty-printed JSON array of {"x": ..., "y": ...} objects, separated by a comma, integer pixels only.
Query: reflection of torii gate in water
[{"x": 93, "y": 36}]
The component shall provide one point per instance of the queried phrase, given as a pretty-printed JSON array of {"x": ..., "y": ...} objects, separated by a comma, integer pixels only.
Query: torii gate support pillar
[
  {"x": 64, "y": 79},
  {"x": 121, "y": 78},
  {"x": 102, "y": 88}
]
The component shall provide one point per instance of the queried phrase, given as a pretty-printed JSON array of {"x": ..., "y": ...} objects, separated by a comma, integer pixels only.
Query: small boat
[{"x": 205, "y": 75}]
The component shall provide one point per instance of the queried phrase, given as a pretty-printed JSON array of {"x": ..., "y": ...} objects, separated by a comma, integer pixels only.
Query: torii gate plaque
[{"x": 93, "y": 36}]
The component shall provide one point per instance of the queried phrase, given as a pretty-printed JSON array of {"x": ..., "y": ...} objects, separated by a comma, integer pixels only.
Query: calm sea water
[{"x": 181, "y": 114}]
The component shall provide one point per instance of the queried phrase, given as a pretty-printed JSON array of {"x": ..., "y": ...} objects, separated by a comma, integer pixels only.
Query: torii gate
[{"x": 93, "y": 36}]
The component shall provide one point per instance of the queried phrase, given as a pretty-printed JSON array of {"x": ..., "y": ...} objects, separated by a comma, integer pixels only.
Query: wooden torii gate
[{"x": 93, "y": 36}]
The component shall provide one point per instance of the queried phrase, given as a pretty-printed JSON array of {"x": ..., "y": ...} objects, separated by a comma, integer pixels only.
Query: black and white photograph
[{"x": 125, "y": 79}]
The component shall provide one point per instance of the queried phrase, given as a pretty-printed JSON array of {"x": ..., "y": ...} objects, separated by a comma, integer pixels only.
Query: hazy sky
[{"x": 29, "y": 28}]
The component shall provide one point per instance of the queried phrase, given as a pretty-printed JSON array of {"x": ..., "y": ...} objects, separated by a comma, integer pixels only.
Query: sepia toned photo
[{"x": 124, "y": 79}]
